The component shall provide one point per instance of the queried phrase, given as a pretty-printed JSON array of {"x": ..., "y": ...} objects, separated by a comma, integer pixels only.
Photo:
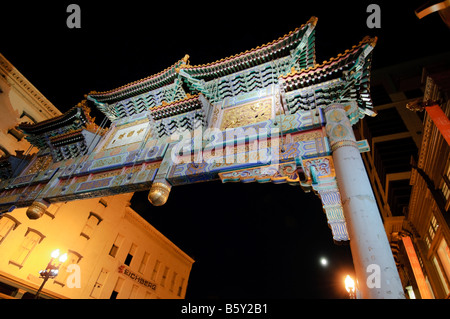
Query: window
[
  {"x": 98, "y": 286},
  {"x": 115, "y": 247},
  {"x": 7, "y": 223},
  {"x": 428, "y": 242},
  {"x": 172, "y": 282},
  {"x": 32, "y": 238},
  {"x": 441, "y": 276},
  {"x": 117, "y": 288},
  {"x": 18, "y": 135},
  {"x": 27, "y": 118},
  {"x": 445, "y": 190},
  {"x": 156, "y": 269},
  {"x": 103, "y": 202},
  {"x": 91, "y": 223},
  {"x": 144, "y": 262},
  {"x": 444, "y": 258},
  {"x": 134, "y": 291},
  {"x": 180, "y": 288},
  {"x": 53, "y": 209},
  {"x": 445, "y": 183},
  {"x": 113, "y": 251},
  {"x": 164, "y": 276},
  {"x": 429, "y": 287},
  {"x": 130, "y": 254},
  {"x": 433, "y": 227}
]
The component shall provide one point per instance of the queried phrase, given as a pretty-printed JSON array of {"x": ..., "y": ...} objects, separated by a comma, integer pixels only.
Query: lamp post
[
  {"x": 350, "y": 287},
  {"x": 52, "y": 269}
]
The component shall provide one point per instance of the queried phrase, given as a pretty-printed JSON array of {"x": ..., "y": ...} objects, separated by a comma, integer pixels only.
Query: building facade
[
  {"x": 20, "y": 102},
  {"x": 112, "y": 251},
  {"x": 428, "y": 211},
  {"x": 397, "y": 139}
]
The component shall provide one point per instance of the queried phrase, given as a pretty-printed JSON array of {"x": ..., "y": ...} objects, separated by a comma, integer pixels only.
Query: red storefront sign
[
  {"x": 440, "y": 120},
  {"x": 417, "y": 270}
]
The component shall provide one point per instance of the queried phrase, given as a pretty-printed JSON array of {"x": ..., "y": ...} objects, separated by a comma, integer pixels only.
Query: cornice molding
[{"x": 20, "y": 83}]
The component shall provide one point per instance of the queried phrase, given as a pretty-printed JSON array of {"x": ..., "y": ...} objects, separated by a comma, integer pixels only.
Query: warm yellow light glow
[
  {"x": 55, "y": 253},
  {"x": 349, "y": 284},
  {"x": 416, "y": 268},
  {"x": 63, "y": 258}
]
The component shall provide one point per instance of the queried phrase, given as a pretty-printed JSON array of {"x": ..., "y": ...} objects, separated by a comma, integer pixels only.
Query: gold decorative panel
[
  {"x": 249, "y": 113},
  {"x": 41, "y": 164}
]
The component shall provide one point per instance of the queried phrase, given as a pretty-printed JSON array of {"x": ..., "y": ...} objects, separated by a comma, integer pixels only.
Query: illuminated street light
[
  {"x": 52, "y": 269},
  {"x": 350, "y": 287}
]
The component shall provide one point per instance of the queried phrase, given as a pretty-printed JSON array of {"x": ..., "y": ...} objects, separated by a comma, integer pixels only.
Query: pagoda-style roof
[
  {"x": 195, "y": 110},
  {"x": 67, "y": 138},
  {"x": 61, "y": 128},
  {"x": 276, "y": 49},
  {"x": 147, "y": 84},
  {"x": 353, "y": 66},
  {"x": 75, "y": 117},
  {"x": 190, "y": 103},
  {"x": 12, "y": 165}
]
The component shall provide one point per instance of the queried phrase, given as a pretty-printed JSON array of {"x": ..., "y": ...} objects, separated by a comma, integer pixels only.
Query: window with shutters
[
  {"x": 92, "y": 222},
  {"x": 31, "y": 240},
  {"x": 7, "y": 224}
]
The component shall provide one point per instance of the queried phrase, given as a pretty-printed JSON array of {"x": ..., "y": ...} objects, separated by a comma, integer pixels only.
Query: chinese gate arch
[{"x": 270, "y": 114}]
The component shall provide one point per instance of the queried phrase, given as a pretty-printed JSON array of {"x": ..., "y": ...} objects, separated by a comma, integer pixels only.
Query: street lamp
[
  {"x": 52, "y": 269},
  {"x": 350, "y": 287}
]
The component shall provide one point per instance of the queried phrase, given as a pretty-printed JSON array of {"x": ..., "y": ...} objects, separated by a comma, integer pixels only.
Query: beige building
[
  {"x": 20, "y": 102},
  {"x": 112, "y": 251}
]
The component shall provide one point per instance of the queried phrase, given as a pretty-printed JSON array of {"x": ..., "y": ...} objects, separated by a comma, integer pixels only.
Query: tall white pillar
[{"x": 376, "y": 272}]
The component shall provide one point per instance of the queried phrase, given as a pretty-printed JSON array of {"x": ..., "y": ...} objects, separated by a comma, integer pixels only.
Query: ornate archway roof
[
  {"x": 259, "y": 55},
  {"x": 278, "y": 48}
]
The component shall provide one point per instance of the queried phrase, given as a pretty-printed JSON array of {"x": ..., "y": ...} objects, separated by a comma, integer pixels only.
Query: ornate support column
[{"x": 374, "y": 264}]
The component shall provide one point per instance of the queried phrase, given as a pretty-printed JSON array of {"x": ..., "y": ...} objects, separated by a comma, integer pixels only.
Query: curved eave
[
  {"x": 147, "y": 84},
  {"x": 187, "y": 104},
  {"x": 67, "y": 118},
  {"x": 328, "y": 69},
  {"x": 276, "y": 49},
  {"x": 68, "y": 135}
]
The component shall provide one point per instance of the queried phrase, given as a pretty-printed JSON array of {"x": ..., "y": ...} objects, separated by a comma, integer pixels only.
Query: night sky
[{"x": 248, "y": 240}]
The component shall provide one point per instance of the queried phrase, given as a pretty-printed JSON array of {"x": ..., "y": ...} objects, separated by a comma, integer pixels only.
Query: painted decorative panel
[{"x": 128, "y": 135}]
